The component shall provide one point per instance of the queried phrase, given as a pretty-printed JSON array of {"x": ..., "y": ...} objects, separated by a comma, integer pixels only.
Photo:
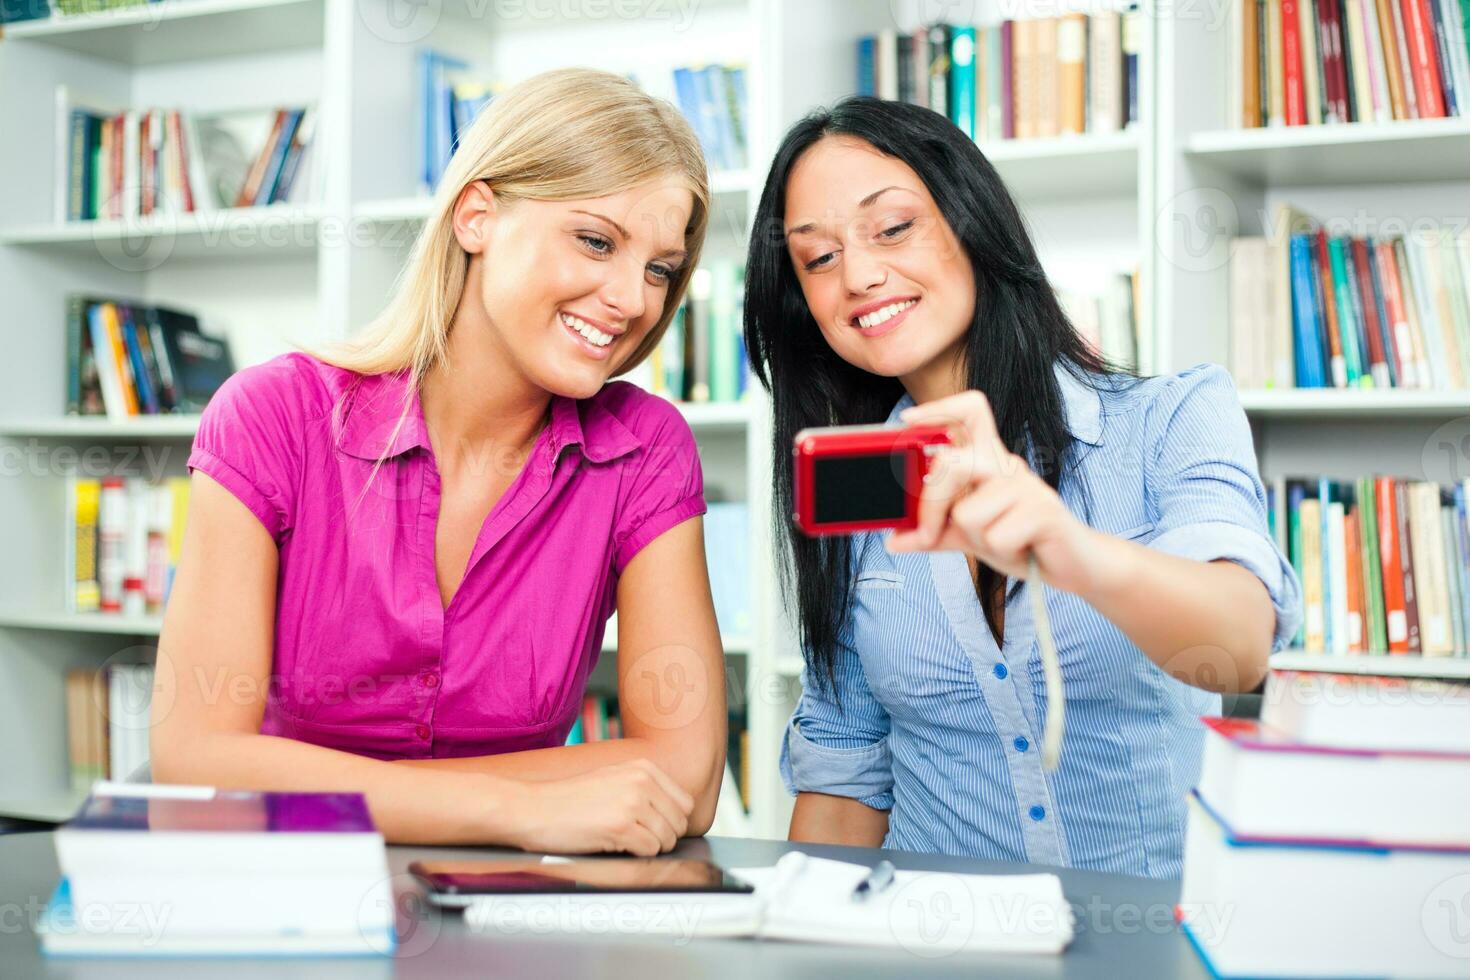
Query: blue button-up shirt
[{"x": 935, "y": 723}]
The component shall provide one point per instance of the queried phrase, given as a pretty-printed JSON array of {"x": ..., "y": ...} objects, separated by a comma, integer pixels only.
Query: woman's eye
[
  {"x": 896, "y": 230},
  {"x": 819, "y": 262},
  {"x": 662, "y": 273},
  {"x": 596, "y": 243}
]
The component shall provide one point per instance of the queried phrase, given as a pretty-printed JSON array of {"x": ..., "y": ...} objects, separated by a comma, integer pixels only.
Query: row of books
[
  {"x": 13, "y": 11},
  {"x": 1329, "y": 837},
  {"x": 1384, "y": 564},
  {"x": 597, "y": 722},
  {"x": 1109, "y": 322},
  {"x": 123, "y": 543},
  {"x": 136, "y": 162},
  {"x": 107, "y": 722},
  {"x": 125, "y": 359},
  {"x": 702, "y": 355},
  {"x": 1018, "y": 79},
  {"x": 452, "y": 93},
  {"x": 1309, "y": 62},
  {"x": 1313, "y": 310}
]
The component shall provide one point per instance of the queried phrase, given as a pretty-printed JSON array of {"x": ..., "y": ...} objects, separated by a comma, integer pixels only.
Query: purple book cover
[
  {"x": 1007, "y": 76},
  {"x": 229, "y": 812}
]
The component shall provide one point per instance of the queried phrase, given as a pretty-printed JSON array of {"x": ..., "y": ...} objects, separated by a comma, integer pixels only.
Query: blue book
[
  {"x": 713, "y": 108},
  {"x": 147, "y": 398},
  {"x": 1295, "y": 494},
  {"x": 1462, "y": 529},
  {"x": 687, "y": 87},
  {"x": 1311, "y": 368},
  {"x": 1452, "y": 96},
  {"x": 1390, "y": 375},
  {"x": 962, "y": 80},
  {"x": 867, "y": 80}
]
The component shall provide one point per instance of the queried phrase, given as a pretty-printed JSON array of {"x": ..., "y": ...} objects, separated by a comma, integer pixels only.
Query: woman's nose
[{"x": 862, "y": 271}]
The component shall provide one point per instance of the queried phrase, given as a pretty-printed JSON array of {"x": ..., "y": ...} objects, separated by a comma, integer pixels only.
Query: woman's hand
[
  {"x": 632, "y": 807},
  {"x": 984, "y": 500}
]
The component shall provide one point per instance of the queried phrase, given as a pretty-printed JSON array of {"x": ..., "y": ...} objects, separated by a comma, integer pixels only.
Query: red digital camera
[{"x": 861, "y": 477}]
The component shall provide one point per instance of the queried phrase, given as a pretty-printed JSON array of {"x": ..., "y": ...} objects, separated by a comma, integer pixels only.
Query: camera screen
[{"x": 859, "y": 488}]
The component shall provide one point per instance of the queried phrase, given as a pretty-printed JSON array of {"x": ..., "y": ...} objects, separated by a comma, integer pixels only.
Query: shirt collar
[
  {"x": 364, "y": 422},
  {"x": 1081, "y": 403}
]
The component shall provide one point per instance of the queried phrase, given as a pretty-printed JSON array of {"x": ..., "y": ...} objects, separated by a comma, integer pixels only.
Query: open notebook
[{"x": 809, "y": 899}]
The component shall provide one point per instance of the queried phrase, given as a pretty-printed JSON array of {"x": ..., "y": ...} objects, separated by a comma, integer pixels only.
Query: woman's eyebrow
[
  {"x": 602, "y": 217},
  {"x": 811, "y": 226}
]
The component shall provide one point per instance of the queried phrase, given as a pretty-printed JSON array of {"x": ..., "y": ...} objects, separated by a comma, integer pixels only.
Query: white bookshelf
[
  {"x": 1370, "y": 404},
  {"x": 1447, "y": 668},
  {"x": 273, "y": 277},
  {"x": 1352, "y": 153}
]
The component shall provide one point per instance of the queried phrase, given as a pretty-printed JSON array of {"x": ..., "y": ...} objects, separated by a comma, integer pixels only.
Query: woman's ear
[{"x": 474, "y": 215}]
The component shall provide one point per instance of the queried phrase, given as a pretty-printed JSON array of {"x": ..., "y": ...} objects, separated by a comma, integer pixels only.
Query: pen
[{"x": 878, "y": 879}]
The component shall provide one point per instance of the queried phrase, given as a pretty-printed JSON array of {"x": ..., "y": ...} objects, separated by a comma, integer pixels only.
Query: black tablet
[{"x": 453, "y": 882}]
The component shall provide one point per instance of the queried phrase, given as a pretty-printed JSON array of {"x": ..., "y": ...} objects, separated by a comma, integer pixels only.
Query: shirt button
[
  {"x": 1000, "y": 671},
  {"x": 1021, "y": 744},
  {"x": 430, "y": 679},
  {"x": 1038, "y": 813},
  {"x": 421, "y": 732}
]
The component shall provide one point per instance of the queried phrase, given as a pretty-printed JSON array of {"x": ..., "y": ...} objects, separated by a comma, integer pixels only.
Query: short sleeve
[
  {"x": 249, "y": 441},
  {"x": 837, "y": 741},
  {"x": 665, "y": 481},
  {"x": 1206, "y": 488}
]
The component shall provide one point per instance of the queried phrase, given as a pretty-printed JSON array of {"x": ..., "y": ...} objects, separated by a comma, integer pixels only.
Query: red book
[
  {"x": 115, "y": 204},
  {"x": 1291, "y": 58},
  {"x": 1377, "y": 356},
  {"x": 1393, "y": 567},
  {"x": 1329, "y": 54},
  {"x": 1423, "y": 58},
  {"x": 145, "y": 168},
  {"x": 1406, "y": 558},
  {"x": 181, "y": 159},
  {"x": 1352, "y": 548},
  {"x": 1393, "y": 300}
]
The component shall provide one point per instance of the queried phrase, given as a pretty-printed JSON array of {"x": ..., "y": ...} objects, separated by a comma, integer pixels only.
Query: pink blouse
[{"x": 366, "y": 657}]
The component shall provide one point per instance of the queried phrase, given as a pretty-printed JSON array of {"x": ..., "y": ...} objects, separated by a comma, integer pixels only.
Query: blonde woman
[{"x": 402, "y": 552}]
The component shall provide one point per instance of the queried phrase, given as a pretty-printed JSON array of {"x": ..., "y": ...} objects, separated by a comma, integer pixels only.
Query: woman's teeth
[
  {"x": 885, "y": 314},
  {"x": 587, "y": 330}
]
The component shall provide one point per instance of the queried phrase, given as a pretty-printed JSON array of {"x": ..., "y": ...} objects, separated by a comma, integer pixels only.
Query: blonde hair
[{"x": 562, "y": 135}]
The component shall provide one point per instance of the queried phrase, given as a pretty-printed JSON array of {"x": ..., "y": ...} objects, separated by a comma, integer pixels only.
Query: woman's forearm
[
  {"x": 1209, "y": 624},
  {"x": 408, "y": 805},
  {"x": 698, "y": 770}
]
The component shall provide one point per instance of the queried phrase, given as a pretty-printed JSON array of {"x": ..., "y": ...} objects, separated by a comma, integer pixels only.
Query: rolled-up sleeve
[
  {"x": 1206, "y": 488},
  {"x": 837, "y": 741}
]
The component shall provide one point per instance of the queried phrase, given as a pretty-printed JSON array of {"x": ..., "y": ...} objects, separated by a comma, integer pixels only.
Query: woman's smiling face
[
  {"x": 884, "y": 275},
  {"x": 571, "y": 288}
]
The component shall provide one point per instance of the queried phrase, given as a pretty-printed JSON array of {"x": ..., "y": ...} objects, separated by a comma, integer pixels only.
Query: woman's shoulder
[
  {"x": 653, "y": 419},
  {"x": 296, "y": 384},
  {"x": 1152, "y": 402}
]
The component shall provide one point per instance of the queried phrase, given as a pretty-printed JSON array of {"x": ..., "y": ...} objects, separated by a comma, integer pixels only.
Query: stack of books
[
  {"x": 702, "y": 355},
  {"x": 1108, "y": 322},
  {"x": 1019, "y": 79},
  {"x": 712, "y": 98},
  {"x": 1314, "y": 309},
  {"x": 1329, "y": 838},
  {"x": 174, "y": 870},
  {"x": 1301, "y": 62},
  {"x": 1384, "y": 563},
  {"x": 130, "y": 163},
  {"x": 125, "y": 359},
  {"x": 123, "y": 543},
  {"x": 107, "y": 722}
]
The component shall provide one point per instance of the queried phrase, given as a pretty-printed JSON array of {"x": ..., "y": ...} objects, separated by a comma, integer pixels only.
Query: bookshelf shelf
[
  {"x": 92, "y": 427},
  {"x": 109, "y": 623},
  {"x": 415, "y": 208},
  {"x": 1362, "y": 404},
  {"x": 1457, "y": 668},
  {"x": 136, "y": 244},
  {"x": 702, "y": 416},
  {"x": 1096, "y": 164},
  {"x": 1344, "y": 153},
  {"x": 180, "y": 30}
]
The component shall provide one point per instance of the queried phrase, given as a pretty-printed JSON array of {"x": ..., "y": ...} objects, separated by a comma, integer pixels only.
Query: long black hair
[{"x": 1018, "y": 336}]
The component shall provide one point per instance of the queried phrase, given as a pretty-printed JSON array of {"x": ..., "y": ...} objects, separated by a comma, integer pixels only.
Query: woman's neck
[
  {"x": 475, "y": 401},
  {"x": 939, "y": 378}
]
